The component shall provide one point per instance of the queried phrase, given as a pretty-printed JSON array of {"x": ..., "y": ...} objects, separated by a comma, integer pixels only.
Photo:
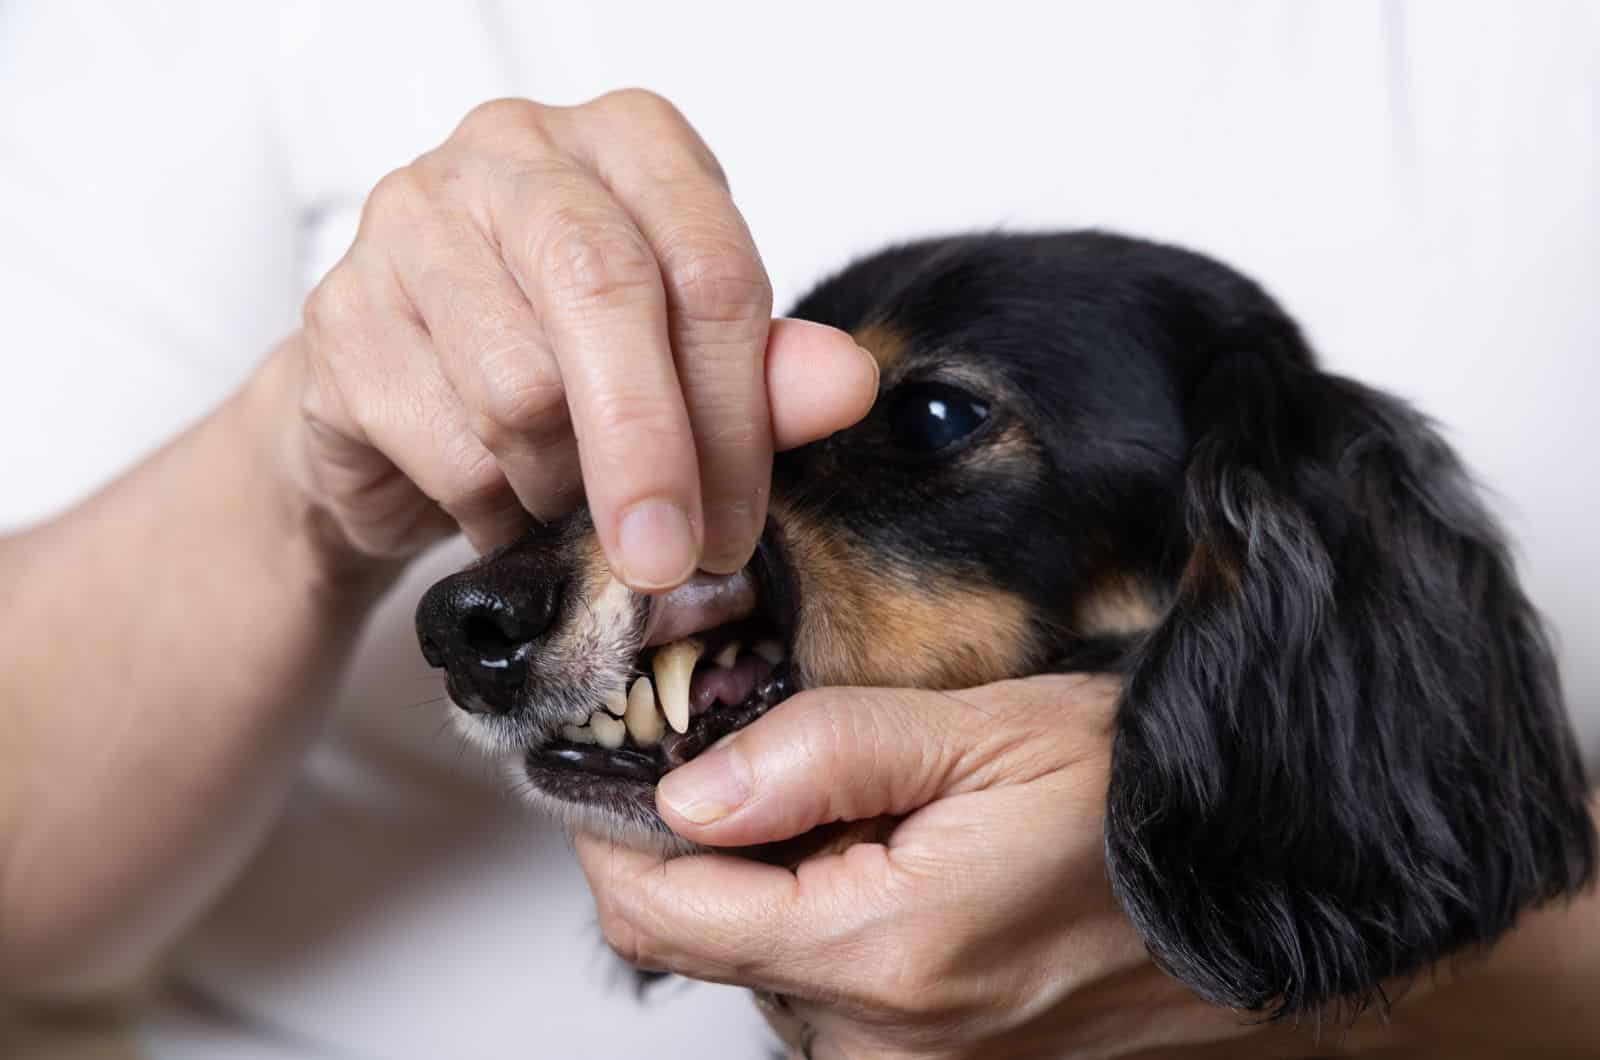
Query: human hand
[
  {"x": 555, "y": 288},
  {"x": 983, "y": 927}
]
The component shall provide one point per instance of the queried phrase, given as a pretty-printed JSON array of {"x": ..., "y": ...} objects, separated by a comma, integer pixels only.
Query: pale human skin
[
  {"x": 426, "y": 391},
  {"x": 548, "y": 294},
  {"x": 985, "y": 926}
]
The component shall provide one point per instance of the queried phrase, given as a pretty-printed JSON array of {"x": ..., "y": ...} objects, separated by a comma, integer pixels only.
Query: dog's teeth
[
  {"x": 769, "y": 650},
  {"x": 673, "y": 666},
  {"x": 578, "y": 733},
  {"x": 609, "y": 732},
  {"x": 617, "y": 703},
  {"x": 728, "y": 655},
  {"x": 644, "y": 721}
]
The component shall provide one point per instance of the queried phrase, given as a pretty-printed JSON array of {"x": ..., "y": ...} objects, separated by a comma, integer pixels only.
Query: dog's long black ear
[{"x": 1343, "y": 752}]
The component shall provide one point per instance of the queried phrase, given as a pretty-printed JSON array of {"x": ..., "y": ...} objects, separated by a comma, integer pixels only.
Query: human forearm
[
  {"x": 167, "y": 642},
  {"x": 1532, "y": 995}
]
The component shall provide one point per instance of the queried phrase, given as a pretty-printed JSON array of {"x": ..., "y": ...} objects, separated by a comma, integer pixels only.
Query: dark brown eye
[{"x": 928, "y": 417}]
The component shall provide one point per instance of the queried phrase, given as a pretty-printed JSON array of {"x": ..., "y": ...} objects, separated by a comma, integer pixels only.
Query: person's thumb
[{"x": 849, "y": 754}]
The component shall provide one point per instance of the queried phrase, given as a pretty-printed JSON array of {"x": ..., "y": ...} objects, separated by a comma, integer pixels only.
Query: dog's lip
[
  {"x": 703, "y": 602},
  {"x": 707, "y": 601}
]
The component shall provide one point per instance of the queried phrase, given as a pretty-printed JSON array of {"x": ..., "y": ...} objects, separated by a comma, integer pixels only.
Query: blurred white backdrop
[{"x": 1418, "y": 182}]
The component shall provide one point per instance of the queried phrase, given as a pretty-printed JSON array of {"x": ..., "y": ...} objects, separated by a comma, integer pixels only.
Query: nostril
[
  {"x": 431, "y": 652},
  {"x": 480, "y": 626},
  {"x": 496, "y": 637}
]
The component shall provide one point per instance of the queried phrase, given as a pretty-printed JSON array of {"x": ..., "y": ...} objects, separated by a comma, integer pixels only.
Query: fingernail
[
  {"x": 728, "y": 525},
  {"x": 872, "y": 363},
  {"x": 658, "y": 547},
  {"x": 708, "y": 788}
]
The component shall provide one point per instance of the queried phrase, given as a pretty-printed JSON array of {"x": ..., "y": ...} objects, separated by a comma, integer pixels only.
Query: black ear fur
[{"x": 1343, "y": 753}]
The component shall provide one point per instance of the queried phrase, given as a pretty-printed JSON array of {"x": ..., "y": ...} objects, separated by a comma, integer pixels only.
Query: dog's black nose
[{"x": 479, "y": 626}]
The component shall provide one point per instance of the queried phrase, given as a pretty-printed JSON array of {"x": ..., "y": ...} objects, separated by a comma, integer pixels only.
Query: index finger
[
  {"x": 595, "y": 285},
  {"x": 719, "y": 302}
]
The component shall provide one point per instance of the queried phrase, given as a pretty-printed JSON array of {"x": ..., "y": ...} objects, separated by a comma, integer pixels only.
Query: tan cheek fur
[
  {"x": 1118, "y": 606},
  {"x": 863, "y": 623}
]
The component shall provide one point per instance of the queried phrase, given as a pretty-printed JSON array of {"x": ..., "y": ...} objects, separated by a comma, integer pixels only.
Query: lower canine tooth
[
  {"x": 609, "y": 732},
  {"x": 769, "y": 650},
  {"x": 577, "y": 733},
  {"x": 643, "y": 720},
  {"x": 674, "y": 666}
]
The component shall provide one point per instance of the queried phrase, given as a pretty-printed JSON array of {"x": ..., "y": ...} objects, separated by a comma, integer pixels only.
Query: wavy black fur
[{"x": 1343, "y": 753}]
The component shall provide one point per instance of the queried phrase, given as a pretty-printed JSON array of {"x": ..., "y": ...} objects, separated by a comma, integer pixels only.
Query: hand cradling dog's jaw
[{"x": 1095, "y": 453}]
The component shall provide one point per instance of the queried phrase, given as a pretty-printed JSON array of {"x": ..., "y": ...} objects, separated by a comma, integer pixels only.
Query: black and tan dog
[{"x": 1341, "y": 749}]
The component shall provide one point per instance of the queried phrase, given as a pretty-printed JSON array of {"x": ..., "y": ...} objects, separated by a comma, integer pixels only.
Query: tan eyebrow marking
[{"x": 882, "y": 341}]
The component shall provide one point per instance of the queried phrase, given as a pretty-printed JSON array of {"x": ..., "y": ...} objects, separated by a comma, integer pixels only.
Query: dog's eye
[{"x": 930, "y": 416}]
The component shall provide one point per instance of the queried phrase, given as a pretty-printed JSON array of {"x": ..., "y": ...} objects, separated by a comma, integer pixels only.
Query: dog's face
[
  {"x": 1091, "y": 452},
  {"x": 998, "y": 512}
]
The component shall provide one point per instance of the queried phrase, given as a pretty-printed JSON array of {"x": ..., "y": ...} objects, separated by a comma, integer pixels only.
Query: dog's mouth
[{"x": 715, "y": 658}]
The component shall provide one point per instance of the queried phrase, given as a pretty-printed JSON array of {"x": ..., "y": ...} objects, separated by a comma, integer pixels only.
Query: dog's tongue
[{"x": 702, "y": 602}]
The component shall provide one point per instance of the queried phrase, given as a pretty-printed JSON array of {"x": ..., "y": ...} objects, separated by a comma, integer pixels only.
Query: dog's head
[{"x": 1341, "y": 750}]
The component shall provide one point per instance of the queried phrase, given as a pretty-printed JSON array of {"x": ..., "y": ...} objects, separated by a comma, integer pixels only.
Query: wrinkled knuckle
[
  {"x": 716, "y": 279},
  {"x": 399, "y": 193},
  {"x": 477, "y": 484},
  {"x": 443, "y": 170},
  {"x": 336, "y": 303},
  {"x": 635, "y": 420},
  {"x": 832, "y": 722},
  {"x": 501, "y": 117},
  {"x": 523, "y": 409},
  {"x": 735, "y": 431},
  {"x": 592, "y": 261},
  {"x": 638, "y": 103}
]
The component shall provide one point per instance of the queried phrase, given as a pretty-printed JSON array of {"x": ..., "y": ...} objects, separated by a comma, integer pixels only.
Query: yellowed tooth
[
  {"x": 769, "y": 650},
  {"x": 644, "y": 721},
  {"x": 577, "y": 733},
  {"x": 609, "y": 732},
  {"x": 728, "y": 655},
  {"x": 673, "y": 666},
  {"x": 616, "y": 703}
]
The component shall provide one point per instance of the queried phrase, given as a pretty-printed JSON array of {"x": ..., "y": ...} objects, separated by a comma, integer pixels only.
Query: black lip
[
  {"x": 675, "y": 748},
  {"x": 622, "y": 763}
]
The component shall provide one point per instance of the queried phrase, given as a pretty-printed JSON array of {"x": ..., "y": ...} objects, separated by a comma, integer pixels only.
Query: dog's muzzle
[{"x": 600, "y": 689}]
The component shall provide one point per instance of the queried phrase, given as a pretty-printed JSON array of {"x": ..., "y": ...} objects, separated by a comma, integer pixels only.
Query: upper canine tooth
[
  {"x": 769, "y": 650},
  {"x": 728, "y": 655},
  {"x": 617, "y": 703},
  {"x": 578, "y": 733},
  {"x": 643, "y": 720},
  {"x": 609, "y": 732},
  {"x": 673, "y": 666}
]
